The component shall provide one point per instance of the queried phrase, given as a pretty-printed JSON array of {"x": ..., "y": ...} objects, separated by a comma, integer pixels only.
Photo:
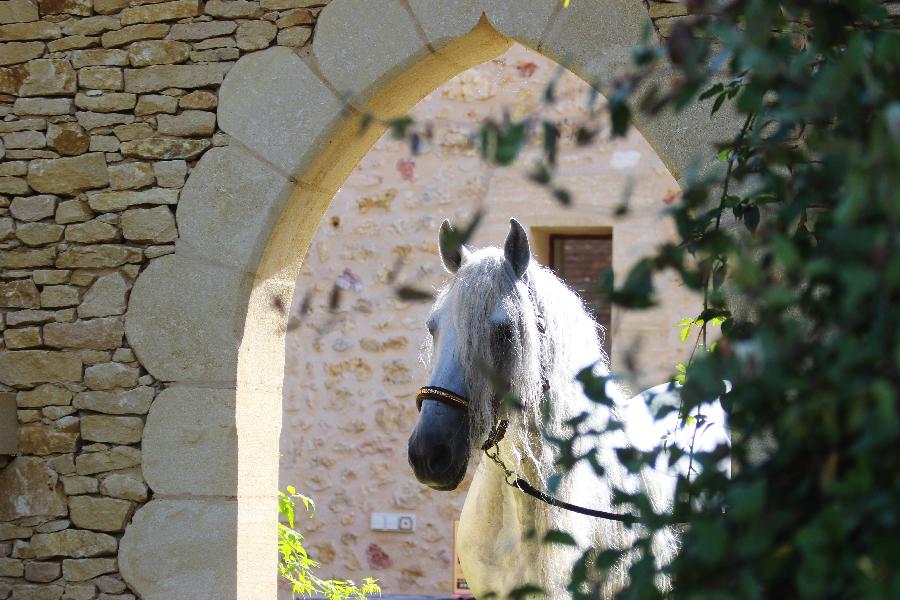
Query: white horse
[{"x": 506, "y": 323}]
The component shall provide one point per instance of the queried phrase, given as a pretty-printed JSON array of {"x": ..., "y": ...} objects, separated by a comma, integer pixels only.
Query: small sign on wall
[
  {"x": 9, "y": 424},
  {"x": 460, "y": 585}
]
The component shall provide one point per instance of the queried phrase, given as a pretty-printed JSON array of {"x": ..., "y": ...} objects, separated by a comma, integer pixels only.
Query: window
[{"x": 580, "y": 260}]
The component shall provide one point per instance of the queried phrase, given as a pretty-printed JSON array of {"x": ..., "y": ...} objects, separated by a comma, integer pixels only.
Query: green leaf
[{"x": 559, "y": 537}]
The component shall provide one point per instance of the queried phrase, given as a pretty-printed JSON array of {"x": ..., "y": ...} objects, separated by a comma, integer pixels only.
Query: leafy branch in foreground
[{"x": 295, "y": 564}]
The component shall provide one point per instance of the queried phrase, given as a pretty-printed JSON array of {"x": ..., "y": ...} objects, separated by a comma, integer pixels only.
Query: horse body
[{"x": 506, "y": 324}]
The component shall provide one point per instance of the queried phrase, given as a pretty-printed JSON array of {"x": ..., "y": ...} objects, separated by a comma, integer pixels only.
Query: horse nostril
[{"x": 440, "y": 459}]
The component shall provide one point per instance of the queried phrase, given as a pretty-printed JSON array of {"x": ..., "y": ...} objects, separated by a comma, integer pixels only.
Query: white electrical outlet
[{"x": 402, "y": 522}]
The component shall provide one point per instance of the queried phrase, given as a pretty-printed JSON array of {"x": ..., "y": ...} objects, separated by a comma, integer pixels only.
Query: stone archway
[{"x": 201, "y": 319}]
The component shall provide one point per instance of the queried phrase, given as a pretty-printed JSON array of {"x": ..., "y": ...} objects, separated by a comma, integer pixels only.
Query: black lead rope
[
  {"x": 591, "y": 512},
  {"x": 494, "y": 437}
]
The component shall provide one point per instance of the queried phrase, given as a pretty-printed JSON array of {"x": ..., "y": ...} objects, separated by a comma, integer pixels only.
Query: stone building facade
[
  {"x": 162, "y": 168},
  {"x": 351, "y": 374}
]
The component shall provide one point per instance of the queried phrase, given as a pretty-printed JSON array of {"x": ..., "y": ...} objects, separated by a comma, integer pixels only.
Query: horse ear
[
  {"x": 516, "y": 248},
  {"x": 453, "y": 253}
]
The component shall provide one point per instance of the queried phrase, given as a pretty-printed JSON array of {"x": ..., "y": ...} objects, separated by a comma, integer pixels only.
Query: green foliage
[
  {"x": 801, "y": 230},
  {"x": 295, "y": 564}
]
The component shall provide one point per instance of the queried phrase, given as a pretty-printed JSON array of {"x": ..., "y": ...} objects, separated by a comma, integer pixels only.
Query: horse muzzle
[{"x": 438, "y": 447}]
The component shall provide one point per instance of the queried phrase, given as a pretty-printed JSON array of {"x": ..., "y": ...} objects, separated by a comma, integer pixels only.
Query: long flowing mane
[{"x": 554, "y": 339}]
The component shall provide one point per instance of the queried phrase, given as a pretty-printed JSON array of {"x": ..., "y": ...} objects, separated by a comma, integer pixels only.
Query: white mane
[{"x": 567, "y": 341}]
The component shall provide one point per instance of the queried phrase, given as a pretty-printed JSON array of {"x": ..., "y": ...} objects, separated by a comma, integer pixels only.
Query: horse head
[{"x": 476, "y": 340}]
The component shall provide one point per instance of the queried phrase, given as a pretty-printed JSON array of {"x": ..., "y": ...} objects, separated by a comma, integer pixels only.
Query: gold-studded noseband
[{"x": 441, "y": 395}]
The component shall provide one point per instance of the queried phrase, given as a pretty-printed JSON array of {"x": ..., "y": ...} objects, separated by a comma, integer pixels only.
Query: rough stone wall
[
  {"x": 351, "y": 375},
  {"x": 106, "y": 105}
]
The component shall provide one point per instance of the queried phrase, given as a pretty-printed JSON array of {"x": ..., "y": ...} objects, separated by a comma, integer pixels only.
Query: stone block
[
  {"x": 107, "y": 296},
  {"x": 128, "y": 486},
  {"x": 48, "y": 394},
  {"x": 117, "y": 457},
  {"x": 68, "y": 176},
  {"x": 130, "y": 175},
  {"x": 97, "y": 256},
  {"x": 23, "y": 259},
  {"x": 91, "y": 25},
  {"x": 81, "y": 590},
  {"x": 100, "y": 514},
  {"x": 242, "y": 195},
  {"x": 48, "y": 77},
  {"x": 21, "y": 293},
  {"x": 13, "y": 185},
  {"x": 361, "y": 45},
  {"x": 255, "y": 35},
  {"x": 73, "y": 211},
  {"x": 101, "y": 78},
  {"x": 41, "y": 440},
  {"x": 29, "y": 317},
  {"x": 83, "y": 569},
  {"x": 27, "y": 337},
  {"x": 42, "y": 572},
  {"x": 43, "y": 106},
  {"x": 69, "y": 139},
  {"x": 73, "y": 42},
  {"x": 207, "y": 325},
  {"x": 277, "y": 107},
  {"x": 11, "y": 567},
  {"x": 149, "y": 225},
  {"x": 152, "y": 104},
  {"x": 158, "y": 52},
  {"x": 59, "y": 296},
  {"x": 170, "y": 173},
  {"x": 294, "y": 37},
  {"x": 111, "y": 429},
  {"x": 50, "y": 276},
  {"x": 38, "y": 30},
  {"x": 8, "y": 531},
  {"x": 39, "y": 234},
  {"x": 19, "y": 11},
  {"x": 109, "y": 375},
  {"x": 92, "y": 232},
  {"x": 187, "y": 123},
  {"x": 120, "y": 200},
  {"x": 32, "y": 208},
  {"x": 202, "y": 30},
  {"x": 79, "y": 484},
  {"x": 164, "y": 11},
  {"x": 160, "y": 77},
  {"x": 108, "y": 102},
  {"x": 133, "y": 33},
  {"x": 197, "y": 425},
  {"x": 24, "y": 140},
  {"x": 30, "y": 489},
  {"x": 102, "y": 58},
  {"x": 71, "y": 7},
  {"x": 194, "y": 542},
  {"x": 73, "y": 543},
  {"x": 116, "y": 402},
  {"x": 30, "y": 367},
  {"x": 232, "y": 9},
  {"x": 104, "y": 333},
  {"x": 93, "y": 120},
  {"x": 165, "y": 148}
]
